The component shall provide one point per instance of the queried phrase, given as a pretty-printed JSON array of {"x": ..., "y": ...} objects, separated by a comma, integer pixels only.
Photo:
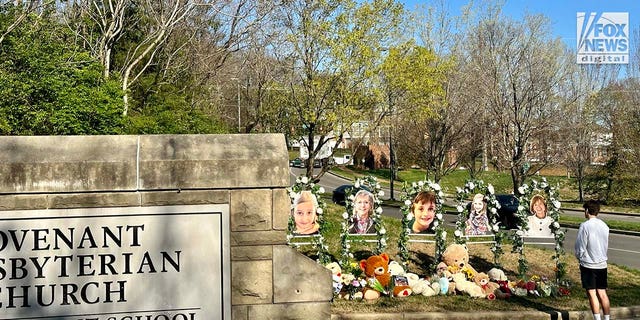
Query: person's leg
[
  {"x": 593, "y": 300},
  {"x": 604, "y": 301},
  {"x": 601, "y": 291}
]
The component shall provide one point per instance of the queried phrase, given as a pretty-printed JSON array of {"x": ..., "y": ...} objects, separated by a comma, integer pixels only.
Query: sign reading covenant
[
  {"x": 149, "y": 263},
  {"x": 603, "y": 37}
]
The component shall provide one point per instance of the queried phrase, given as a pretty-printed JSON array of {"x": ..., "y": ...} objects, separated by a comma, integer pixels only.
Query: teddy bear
[
  {"x": 418, "y": 285},
  {"x": 467, "y": 287},
  {"x": 396, "y": 269},
  {"x": 422, "y": 286},
  {"x": 488, "y": 288},
  {"x": 376, "y": 267},
  {"x": 336, "y": 276},
  {"x": 456, "y": 257},
  {"x": 497, "y": 275}
]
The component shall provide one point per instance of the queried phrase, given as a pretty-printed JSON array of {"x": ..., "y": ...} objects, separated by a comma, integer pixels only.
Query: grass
[
  {"x": 624, "y": 283},
  {"x": 501, "y": 181},
  {"x": 613, "y": 224}
]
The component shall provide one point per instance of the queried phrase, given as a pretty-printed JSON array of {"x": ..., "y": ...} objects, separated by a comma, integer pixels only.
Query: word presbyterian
[
  {"x": 45, "y": 257},
  {"x": 602, "y": 38}
]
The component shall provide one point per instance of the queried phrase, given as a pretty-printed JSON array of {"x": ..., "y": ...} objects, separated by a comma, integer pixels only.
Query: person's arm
[{"x": 581, "y": 243}]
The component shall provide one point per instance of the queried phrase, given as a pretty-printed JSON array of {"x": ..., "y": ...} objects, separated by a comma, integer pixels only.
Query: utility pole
[
  {"x": 391, "y": 164},
  {"x": 238, "y": 80}
]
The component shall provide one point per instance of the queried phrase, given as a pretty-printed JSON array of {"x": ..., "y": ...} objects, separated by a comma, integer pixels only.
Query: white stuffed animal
[
  {"x": 496, "y": 274},
  {"x": 421, "y": 286},
  {"x": 466, "y": 286}
]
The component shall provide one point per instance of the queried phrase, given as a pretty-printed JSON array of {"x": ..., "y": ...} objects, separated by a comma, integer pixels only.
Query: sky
[{"x": 562, "y": 13}]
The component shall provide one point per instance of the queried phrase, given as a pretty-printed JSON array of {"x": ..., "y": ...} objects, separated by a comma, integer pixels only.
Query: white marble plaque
[{"x": 134, "y": 263}]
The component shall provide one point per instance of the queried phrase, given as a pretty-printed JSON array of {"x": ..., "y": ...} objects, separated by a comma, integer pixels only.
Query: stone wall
[{"x": 248, "y": 172}]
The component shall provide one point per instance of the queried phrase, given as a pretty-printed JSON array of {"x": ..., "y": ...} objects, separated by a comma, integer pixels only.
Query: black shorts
[{"x": 593, "y": 278}]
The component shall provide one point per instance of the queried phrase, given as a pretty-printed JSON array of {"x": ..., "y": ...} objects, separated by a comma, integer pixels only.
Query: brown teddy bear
[
  {"x": 377, "y": 267},
  {"x": 456, "y": 257},
  {"x": 488, "y": 288}
]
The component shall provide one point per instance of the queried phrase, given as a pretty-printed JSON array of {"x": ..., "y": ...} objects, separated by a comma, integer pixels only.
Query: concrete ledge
[
  {"x": 632, "y": 312},
  {"x": 60, "y": 164},
  {"x": 37, "y": 164},
  {"x": 213, "y": 161}
]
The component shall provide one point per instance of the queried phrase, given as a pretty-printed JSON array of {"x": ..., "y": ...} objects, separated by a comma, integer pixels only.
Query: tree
[
  {"x": 580, "y": 130},
  {"x": 129, "y": 37},
  {"x": 619, "y": 114},
  {"x": 518, "y": 72},
  {"x": 332, "y": 51},
  {"x": 18, "y": 12},
  {"x": 50, "y": 87},
  {"x": 415, "y": 78}
]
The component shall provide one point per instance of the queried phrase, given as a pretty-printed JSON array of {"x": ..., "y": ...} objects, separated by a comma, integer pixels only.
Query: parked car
[
  {"x": 297, "y": 162},
  {"x": 339, "y": 193},
  {"x": 508, "y": 210}
]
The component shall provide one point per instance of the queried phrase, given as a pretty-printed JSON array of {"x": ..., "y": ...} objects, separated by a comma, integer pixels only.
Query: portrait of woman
[
  {"x": 478, "y": 221},
  {"x": 304, "y": 213},
  {"x": 539, "y": 222},
  {"x": 361, "y": 219},
  {"x": 423, "y": 209}
]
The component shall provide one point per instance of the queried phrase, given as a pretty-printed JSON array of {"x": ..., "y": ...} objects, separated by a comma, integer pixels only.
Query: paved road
[{"x": 623, "y": 249}]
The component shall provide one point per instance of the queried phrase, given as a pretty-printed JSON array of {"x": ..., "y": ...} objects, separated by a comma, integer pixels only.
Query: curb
[{"x": 631, "y": 312}]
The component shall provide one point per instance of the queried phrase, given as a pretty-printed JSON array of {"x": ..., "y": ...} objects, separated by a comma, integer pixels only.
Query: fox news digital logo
[{"x": 603, "y": 37}]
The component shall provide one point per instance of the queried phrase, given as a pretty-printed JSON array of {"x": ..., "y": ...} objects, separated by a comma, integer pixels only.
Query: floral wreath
[
  {"x": 410, "y": 192},
  {"x": 302, "y": 184},
  {"x": 370, "y": 183},
  {"x": 462, "y": 194},
  {"x": 553, "y": 210}
]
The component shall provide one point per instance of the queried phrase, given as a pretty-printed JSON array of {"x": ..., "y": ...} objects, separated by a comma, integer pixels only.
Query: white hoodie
[{"x": 592, "y": 244}]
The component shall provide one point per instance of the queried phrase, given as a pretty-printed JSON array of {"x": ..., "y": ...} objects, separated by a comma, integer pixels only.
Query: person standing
[{"x": 591, "y": 250}]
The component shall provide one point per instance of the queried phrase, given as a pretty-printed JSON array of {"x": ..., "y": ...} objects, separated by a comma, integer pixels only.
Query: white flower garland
[
  {"x": 410, "y": 192},
  {"x": 304, "y": 183},
  {"x": 553, "y": 211},
  {"x": 475, "y": 186},
  {"x": 370, "y": 183}
]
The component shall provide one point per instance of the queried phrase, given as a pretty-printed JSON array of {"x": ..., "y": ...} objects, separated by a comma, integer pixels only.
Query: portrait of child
[
  {"x": 423, "y": 209},
  {"x": 304, "y": 213},
  {"x": 478, "y": 221}
]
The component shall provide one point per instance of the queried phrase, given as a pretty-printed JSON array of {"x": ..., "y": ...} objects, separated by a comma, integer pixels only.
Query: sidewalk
[{"x": 619, "y": 313}]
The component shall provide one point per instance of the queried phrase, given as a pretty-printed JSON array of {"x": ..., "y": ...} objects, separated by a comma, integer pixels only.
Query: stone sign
[{"x": 127, "y": 263}]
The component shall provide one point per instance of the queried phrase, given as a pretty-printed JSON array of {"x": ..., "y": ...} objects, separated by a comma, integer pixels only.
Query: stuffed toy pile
[{"x": 376, "y": 270}]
